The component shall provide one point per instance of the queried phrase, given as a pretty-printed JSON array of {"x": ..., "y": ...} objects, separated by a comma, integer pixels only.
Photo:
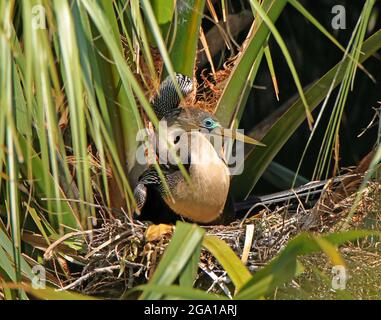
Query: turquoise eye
[{"x": 209, "y": 123}]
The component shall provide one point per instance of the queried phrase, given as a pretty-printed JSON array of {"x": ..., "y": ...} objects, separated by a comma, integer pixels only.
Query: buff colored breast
[{"x": 204, "y": 202}]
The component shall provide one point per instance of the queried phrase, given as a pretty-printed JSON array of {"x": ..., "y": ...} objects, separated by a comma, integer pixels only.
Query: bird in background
[{"x": 203, "y": 197}]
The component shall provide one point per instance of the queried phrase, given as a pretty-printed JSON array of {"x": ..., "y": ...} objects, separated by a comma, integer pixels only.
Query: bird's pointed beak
[{"x": 236, "y": 135}]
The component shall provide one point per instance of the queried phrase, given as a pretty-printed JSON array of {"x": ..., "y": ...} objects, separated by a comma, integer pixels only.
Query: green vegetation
[{"x": 74, "y": 94}]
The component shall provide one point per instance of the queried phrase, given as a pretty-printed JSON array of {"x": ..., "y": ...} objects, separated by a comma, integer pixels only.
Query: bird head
[
  {"x": 167, "y": 107},
  {"x": 191, "y": 118}
]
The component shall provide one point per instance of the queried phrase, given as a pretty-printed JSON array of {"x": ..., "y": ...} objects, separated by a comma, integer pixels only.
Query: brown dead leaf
[{"x": 157, "y": 231}]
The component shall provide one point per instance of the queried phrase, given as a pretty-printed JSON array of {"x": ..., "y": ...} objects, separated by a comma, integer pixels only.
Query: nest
[{"x": 123, "y": 254}]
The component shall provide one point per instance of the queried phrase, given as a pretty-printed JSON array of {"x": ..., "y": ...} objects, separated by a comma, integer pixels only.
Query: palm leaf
[{"x": 258, "y": 159}]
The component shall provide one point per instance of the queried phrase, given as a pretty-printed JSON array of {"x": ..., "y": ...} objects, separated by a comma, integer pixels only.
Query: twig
[
  {"x": 88, "y": 275},
  {"x": 216, "y": 280},
  {"x": 105, "y": 244},
  {"x": 49, "y": 251},
  {"x": 248, "y": 242}
]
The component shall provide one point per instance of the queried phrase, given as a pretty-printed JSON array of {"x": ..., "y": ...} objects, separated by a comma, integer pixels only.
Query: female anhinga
[{"x": 203, "y": 197}]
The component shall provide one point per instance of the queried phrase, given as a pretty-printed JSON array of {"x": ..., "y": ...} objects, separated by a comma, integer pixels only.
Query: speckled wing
[
  {"x": 168, "y": 97},
  {"x": 140, "y": 195},
  {"x": 149, "y": 177}
]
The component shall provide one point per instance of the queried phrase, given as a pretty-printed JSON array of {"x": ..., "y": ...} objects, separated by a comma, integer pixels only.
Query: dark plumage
[
  {"x": 168, "y": 98},
  {"x": 204, "y": 202}
]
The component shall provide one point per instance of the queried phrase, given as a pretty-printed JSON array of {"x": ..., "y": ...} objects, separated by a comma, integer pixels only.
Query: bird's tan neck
[{"x": 205, "y": 199}]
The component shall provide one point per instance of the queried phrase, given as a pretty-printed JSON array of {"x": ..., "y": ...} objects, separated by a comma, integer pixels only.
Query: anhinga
[{"x": 204, "y": 197}]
